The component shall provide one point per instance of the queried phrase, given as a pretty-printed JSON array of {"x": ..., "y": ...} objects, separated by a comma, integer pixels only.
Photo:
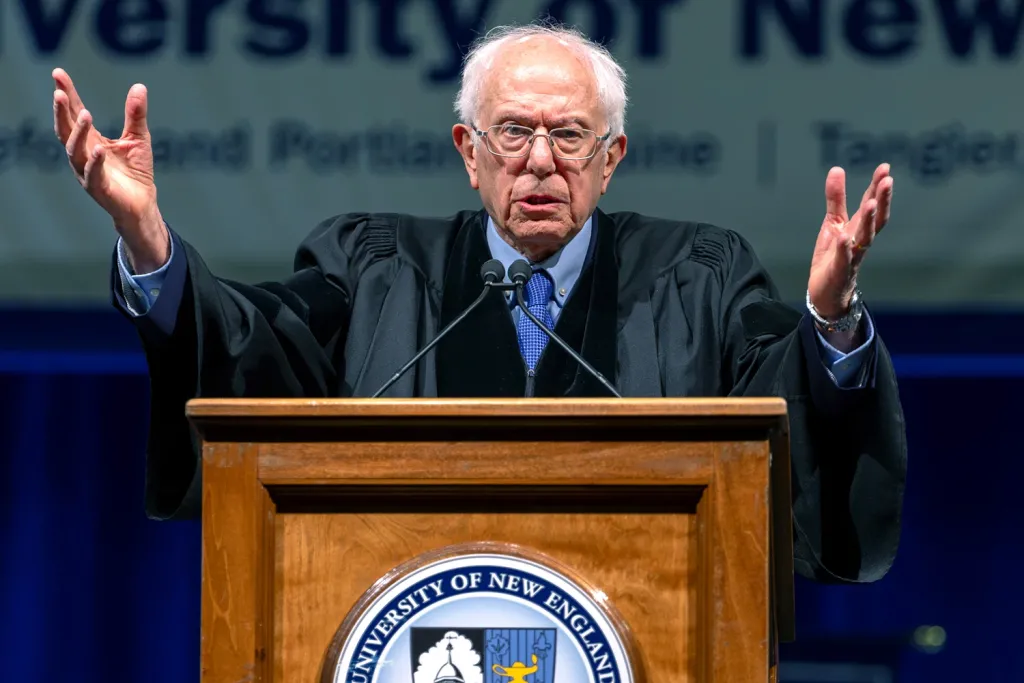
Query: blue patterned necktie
[{"x": 532, "y": 339}]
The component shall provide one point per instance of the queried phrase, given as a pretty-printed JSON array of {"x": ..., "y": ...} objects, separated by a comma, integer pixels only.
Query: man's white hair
[{"x": 610, "y": 77}]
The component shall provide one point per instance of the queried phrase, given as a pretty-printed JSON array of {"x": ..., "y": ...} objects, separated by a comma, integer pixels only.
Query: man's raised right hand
[{"x": 117, "y": 174}]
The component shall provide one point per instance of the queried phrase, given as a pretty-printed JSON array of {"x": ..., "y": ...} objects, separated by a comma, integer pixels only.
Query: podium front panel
[{"x": 298, "y": 527}]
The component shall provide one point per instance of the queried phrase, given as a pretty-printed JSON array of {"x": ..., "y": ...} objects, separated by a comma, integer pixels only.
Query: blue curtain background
[{"x": 90, "y": 590}]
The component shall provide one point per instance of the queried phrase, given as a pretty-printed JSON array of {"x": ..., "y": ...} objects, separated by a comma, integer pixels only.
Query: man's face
[{"x": 538, "y": 201}]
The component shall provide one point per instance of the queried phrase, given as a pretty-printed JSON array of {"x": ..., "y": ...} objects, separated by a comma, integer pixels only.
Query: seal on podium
[{"x": 482, "y": 613}]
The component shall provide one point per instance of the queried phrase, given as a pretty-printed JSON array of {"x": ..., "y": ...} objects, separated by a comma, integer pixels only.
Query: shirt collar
[{"x": 564, "y": 266}]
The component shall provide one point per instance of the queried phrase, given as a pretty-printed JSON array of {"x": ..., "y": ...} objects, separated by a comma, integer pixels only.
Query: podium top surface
[
  {"x": 594, "y": 413},
  {"x": 270, "y": 408}
]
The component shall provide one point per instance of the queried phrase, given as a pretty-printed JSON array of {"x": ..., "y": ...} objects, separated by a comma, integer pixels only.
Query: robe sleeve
[
  {"x": 234, "y": 340},
  {"x": 847, "y": 446}
]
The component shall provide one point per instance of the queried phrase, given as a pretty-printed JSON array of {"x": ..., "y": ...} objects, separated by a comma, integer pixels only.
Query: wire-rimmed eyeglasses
[{"x": 513, "y": 140}]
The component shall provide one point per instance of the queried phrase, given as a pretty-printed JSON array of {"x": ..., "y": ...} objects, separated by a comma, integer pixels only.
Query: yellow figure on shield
[{"x": 516, "y": 673}]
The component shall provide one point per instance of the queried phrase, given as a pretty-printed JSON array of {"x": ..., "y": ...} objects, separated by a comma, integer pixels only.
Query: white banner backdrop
[{"x": 269, "y": 115}]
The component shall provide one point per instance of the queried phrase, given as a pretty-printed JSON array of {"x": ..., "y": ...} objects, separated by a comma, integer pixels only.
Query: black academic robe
[{"x": 662, "y": 308}]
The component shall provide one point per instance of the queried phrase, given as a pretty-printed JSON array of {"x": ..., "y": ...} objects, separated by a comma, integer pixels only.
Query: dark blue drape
[{"x": 90, "y": 590}]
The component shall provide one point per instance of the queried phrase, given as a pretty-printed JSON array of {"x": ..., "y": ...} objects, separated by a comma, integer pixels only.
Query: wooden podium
[{"x": 677, "y": 510}]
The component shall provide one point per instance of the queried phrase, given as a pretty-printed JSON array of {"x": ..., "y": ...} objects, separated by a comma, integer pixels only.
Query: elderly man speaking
[{"x": 659, "y": 307}]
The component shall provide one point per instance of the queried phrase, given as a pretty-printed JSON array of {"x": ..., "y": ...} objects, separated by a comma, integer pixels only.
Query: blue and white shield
[{"x": 483, "y": 655}]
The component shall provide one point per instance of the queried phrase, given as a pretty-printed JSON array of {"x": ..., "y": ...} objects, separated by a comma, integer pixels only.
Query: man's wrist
[
  {"x": 845, "y": 321},
  {"x": 844, "y": 342},
  {"x": 844, "y": 332},
  {"x": 148, "y": 247}
]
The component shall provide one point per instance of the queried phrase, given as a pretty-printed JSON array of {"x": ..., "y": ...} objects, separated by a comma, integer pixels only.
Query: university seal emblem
[{"x": 482, "y": 613}]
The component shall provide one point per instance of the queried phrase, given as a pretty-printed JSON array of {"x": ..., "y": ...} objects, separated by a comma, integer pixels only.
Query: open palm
[
  {"x": 843, "y": 240},
  {"x": 117, "y": 173}
]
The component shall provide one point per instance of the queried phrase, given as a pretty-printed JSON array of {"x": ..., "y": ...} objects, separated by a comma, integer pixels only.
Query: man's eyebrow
[
  {"x": 509, "y": 116},
  {"x": 557, "y": 121},
  {"x": 569, "y": 120}
]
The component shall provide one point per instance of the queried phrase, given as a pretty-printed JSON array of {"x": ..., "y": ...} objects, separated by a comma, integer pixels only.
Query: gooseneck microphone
[
  {"x": 520, "y": 273},
  {"x": 492, "y": 273}
]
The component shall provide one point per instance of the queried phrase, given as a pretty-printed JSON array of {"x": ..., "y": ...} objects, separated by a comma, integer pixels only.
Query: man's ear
[
  {"x": 465, "y": 141},
  {"x": 616, "y": 151}
]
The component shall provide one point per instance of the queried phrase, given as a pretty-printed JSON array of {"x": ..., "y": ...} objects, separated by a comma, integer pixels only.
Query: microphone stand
[
  {"x": 568, "y": 349},
  {"x": 488, "y": 286}
]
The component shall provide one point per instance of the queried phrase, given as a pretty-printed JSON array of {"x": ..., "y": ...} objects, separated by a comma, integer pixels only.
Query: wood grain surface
[
  {"x": 645, "y": 563},
  {"x": 737, "y": 556},
  {"x": 528, "y": 463},
  {"x": 238, "y": 567},
  {"x": 662, "y": 504},
  {"x": 552, "y": 409}
]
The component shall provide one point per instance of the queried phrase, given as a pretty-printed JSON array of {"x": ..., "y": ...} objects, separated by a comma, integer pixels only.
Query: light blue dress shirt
[
  {"x": 565, "y": 266},
  {"x": 140, "y": 291}
]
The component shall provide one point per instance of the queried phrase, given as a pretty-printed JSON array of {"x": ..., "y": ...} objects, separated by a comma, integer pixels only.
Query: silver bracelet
[{"x": 846, "y": 323}]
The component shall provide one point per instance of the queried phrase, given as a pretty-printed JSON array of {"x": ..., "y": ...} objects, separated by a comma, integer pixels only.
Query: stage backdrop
[{"x": 271, "y": 115}]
